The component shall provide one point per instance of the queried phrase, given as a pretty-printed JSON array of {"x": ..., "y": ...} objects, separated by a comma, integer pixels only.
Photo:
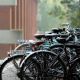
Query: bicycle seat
[
  {"x": 39, "y": 36},
  {"x": 37, "y": 43},
  {"x": 61, "y": 40},
  {"x": 50, "y": 36},
  {"x": 58, "y": 30},
  {"x": 34, "y": 42},
  {"x": 64, "y": 40}
]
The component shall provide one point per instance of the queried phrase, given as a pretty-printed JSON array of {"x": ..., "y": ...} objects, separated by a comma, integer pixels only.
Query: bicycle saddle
[
  {"x": 64, "y": 40},
  {"x": 49, "y": 36},
  {"x": 61, "y": 40},
  {"x": 39, "y": 36},
  {"x": 58, "y": 30},
  {"x": 37, "y": 43}
]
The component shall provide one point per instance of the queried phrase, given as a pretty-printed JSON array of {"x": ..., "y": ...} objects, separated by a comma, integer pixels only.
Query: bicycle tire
[
  {"x": 19, "y": 47},
  {"x": 59, "y": 50},
  {"x": 7, "y": 64},
  {"x": 44, "y": 73},
  {"x": 75, "y": 70}
]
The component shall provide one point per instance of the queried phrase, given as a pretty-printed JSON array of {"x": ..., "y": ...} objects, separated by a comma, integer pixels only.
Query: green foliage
[
  {"x": 50, "y": 14},
  {"x": 57, "y": 12},
  {"x": 73, "y": 12}
]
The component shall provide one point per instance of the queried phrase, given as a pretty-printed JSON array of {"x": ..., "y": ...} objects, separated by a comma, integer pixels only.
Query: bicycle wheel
[
  {"x": 23, "y": 46},
  {"x": 50, "y": 68},
  {"x": 74, "y": 73},
  {"x": 59, "y": 50},
  {"x": 8, "y": 70},
  {"x": 21, "y": 50},
  {"x": 31, "y": 70}
]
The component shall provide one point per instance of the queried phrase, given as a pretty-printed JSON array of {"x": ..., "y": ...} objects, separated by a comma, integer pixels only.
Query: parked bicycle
[
  {"x": 47, "y": 58},
  {"x": 61, "y": 65}
]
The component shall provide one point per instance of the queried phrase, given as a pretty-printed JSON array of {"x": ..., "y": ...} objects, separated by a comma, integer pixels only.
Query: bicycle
[
  {"x": 48, "y": 36},
  {"x": 72, "y": 73},
  {"x": 25, "y": 46},
  {"x": 68, "y": 62},
  {"x": 44, "y": 59},
  {"x": 39, "y": 57},
  {"x": 15, "y": 58}
]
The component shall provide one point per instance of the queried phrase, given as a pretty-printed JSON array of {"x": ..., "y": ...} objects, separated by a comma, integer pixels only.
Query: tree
[{"x": 73, "y": 11}]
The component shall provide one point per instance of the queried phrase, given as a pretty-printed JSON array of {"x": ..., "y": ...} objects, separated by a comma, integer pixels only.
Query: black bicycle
[
  {"x": 64, "y": 65},
  {"x": 50, "y": 67},
  {"x": 11, "y": 65}
]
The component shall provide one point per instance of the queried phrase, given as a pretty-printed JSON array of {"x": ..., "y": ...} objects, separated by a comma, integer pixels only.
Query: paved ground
[
  {"x": 1, "y": 62},
  {"x": 10, "y": 72}
]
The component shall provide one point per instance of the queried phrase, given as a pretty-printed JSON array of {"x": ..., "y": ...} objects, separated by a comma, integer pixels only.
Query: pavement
[
  {"x": 1, "y": 61},
  {"x": 9, "y": 72}
]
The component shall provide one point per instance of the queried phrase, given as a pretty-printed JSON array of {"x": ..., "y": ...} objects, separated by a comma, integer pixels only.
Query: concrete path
[{"x": 9, "y": 72}]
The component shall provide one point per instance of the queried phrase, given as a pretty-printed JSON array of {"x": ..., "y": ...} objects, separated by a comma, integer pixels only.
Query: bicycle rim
[
  {"x": 75, "y": 70},
  {"x": 49, "y": 66}
]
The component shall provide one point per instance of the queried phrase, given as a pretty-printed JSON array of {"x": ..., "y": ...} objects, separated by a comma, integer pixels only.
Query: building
[{"x": 20, "y": 18}]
